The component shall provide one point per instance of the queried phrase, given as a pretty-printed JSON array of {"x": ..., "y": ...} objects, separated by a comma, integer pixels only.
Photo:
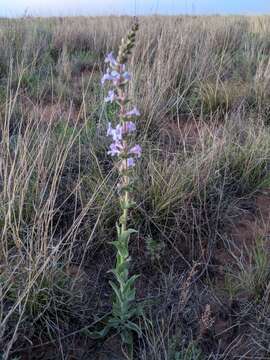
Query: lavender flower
[
  {"x": 106, "y": 77},
  {"x": 115, "y": 133},
  {"x": 128, "y": 127},
  {"x": 116, "y": 77},
  {"x": 120, "y": 130},
  {"x": 115, "y": 149},
  {"x": 126, "y": 75},
  {"x": 113, "y": 76},
  {"x": 110, "y": 130},
  {"x": 111, "y": 96},
  {"x": 111, "y": 59},
  {"x": 133, "y": 112},
  {"x": 136, "y": 150},
  {"x": 130, "y": 162}
]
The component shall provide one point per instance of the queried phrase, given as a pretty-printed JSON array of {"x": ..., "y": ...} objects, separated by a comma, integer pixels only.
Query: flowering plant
[{"x": 126, "y": 152}]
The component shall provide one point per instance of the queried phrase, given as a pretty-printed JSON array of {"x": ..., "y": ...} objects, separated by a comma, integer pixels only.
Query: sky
[{"x": 12, "y": 8}]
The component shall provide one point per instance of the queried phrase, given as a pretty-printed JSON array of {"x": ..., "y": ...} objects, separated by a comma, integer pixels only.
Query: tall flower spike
[{"x": 126, "y": 153}]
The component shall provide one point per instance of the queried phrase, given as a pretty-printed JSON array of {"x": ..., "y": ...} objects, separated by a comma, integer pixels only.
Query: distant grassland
[{"x": 203, "y": 201}]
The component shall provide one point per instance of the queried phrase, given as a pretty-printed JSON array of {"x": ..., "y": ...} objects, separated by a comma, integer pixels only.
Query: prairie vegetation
[{"x": 202, "y": 85}]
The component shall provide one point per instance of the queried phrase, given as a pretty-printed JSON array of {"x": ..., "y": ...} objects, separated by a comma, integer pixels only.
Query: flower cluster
[
  {"x": 116, "y": 72},
  {"x": 121, "y": 147}
]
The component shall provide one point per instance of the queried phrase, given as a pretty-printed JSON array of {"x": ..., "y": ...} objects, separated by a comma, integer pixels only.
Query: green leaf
[
  {"x": 126, "y": 337},
  {"x": 122, "y": 267},
  {"x": 98, "y": 334},
  {"x": 117, "y": 292},
  {"x": 132, "y": 312},
  {"x": 129, "y": 205},
  {"x": 124, "y": 236},
  {"x": 121, "y": 248},
  {"x": 118, "y": 229},
  {"x": 134, "y": 327},
  {"x": 130, "y": 283},
  {"x": 115, "y": 323},
  {"x": 130, "y": 295},
  {"x": 120, "y": 276}
]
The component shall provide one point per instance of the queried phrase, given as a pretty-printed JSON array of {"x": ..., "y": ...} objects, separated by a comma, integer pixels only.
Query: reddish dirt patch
[
  {"x": 189, "y": 132},
  {"x": 55, "y": 112},
  {"x": 51, "y": 113},
  {"x": 263, "y": 209},
  {"x": 243, "y": 234},
  {"x": 247, "y": 230}
]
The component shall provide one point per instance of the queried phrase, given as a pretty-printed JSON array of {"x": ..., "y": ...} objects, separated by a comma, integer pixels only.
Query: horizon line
[{"x": 26, "y": 15}]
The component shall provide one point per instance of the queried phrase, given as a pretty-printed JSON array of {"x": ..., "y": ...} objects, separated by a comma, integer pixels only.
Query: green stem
[{"x": 125, "y": 211}]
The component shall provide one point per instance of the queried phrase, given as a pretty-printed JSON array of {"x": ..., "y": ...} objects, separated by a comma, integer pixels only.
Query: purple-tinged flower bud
[
  {"x": 111, "y": 96},
  {"x": 110, "y": 130},
  {"x": 126, "y": 164},
  {"x": 136, "y": 150},
  {"x": 111, "y": 59},
  {"x": 126, "y": 76},
  {"x": 116, "y": 77},
  {"x": 115, "y": 149},
  {"x": 130, "y": 162},
  {"x": 128, "y": 127},
  {"x": 133, "y": 112}
]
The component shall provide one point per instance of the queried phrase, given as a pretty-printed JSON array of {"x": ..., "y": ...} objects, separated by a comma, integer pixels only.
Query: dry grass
[{"x": 202, "y": 84}]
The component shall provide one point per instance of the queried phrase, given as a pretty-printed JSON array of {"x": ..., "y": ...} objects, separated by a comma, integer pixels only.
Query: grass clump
[{"x": 202, "y": 185}]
